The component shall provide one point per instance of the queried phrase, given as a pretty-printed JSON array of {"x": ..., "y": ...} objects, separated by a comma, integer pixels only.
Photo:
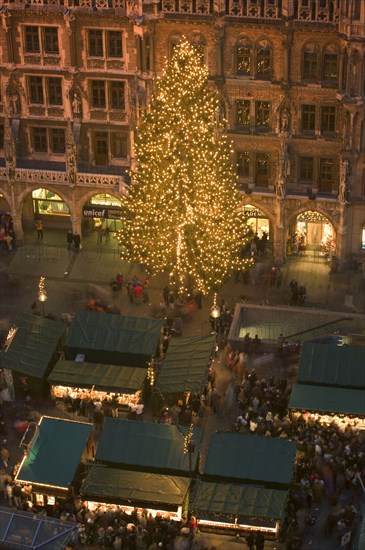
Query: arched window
[
  {"x": 310, "y": 62},
  {"x": 330, "y": 63},
  {"x": 199, "y": 44},
  {"x": 263, "y": 63},
  {"x": 174, "y": 40},
  {"x": 243, "y": 61}
]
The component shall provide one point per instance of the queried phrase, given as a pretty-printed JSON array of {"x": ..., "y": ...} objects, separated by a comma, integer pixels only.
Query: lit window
[
  {"x": 243, "y": 163},
  {"x": 262, "y": 118},
  {"x": 243, "y": 115},
  {"x": 263, "y": 62},
  {"x": 243, "y": 57},
  {"x": 363, "y": 238}
]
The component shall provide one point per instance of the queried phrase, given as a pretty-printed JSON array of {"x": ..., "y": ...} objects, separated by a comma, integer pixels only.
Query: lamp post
[
  {"x": 215, "y": 311},
  {"x": 42, "y": 294}
]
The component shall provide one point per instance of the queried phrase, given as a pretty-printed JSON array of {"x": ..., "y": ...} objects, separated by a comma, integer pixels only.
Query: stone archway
[
  {"x": 48, "y": 203},
  {"x": 100, "y": 210},
  {"x": 311, "y": 234},
  {"x": 260, "y": 221}
]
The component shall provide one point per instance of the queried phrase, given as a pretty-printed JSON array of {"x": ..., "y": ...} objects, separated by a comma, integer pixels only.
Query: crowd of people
[{"x": 7, "y": 235}]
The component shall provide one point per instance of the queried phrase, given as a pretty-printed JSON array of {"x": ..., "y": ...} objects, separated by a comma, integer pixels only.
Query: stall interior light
[
  {"x": 237, "y": 526},
  {"x": 60, "y": 392},
  {"x": 93, "y": 506},
  {"x": 339, "y": 419}
]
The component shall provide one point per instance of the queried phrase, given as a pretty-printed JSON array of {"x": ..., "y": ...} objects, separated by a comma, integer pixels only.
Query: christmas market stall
[
  {"x": 120, "y": 385},
  {"x": 344, "y": 406},
  {"x": 185, "y": 368},
  {"x": 332, "y": 365},
  {"x": 52, "y": 457},
  {"x": 113, "y": 339},
  {"x": 143, "y": 465},
  {"x": 244, "y": 485},
  {"x": 30, "y": 352},
  {"x": 127, "y": 490}
]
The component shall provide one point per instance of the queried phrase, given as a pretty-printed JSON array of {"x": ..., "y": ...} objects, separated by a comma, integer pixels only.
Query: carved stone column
[
  {"x": 219, "y": 39},
  {"x": 17, "y": 225},
  {"x": 6, "y": 23},
  {"x": 341, "y": 234},
  {"x": 279, "y": 233}
]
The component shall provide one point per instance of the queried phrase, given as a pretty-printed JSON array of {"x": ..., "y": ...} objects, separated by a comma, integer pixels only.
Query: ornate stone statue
[
  {"x": 9, "y": 150},
  {"x": 14, "y": 104},
  {"x": 280, "y": 187},
  {"x": 343, "y": 187},
  {"x": 76, "y": 106},
  {"x": 285, "y": 121}
]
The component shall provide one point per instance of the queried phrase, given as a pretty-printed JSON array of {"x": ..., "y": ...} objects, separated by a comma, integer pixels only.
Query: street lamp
[
  {"x": 215, "y": 311},
  {"x": 42, "y": 294}
]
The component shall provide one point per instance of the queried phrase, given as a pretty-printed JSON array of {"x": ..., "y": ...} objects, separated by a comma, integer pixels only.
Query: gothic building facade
[{"x": 291, "y": 80}]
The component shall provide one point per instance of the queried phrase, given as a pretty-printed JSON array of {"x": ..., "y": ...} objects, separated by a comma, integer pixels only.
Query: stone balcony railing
[
  {"x": 67, "y": 4},
  {"x": 53, "y": 177}
]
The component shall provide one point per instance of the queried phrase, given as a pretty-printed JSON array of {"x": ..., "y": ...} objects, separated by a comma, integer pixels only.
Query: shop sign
[
  {"x": 253, "y": 213},
  {"x": 102, "y": 212}
]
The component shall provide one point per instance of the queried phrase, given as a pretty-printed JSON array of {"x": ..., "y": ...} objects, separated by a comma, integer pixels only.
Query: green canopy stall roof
[
  {"x": 109, "y": 377},
  {"x": 240, "y": 500},
  {"x": 107, "y": 338},
  {"x": 112, "y": 484},
  {"x": 146, "y": 446},
  {"x": 236, "y": 456},
  {"x": 56, "y": 453},
  {"x": 33, "y": 346},
  {"x": 322, "y": 399},
  {"x": 185, "y": 365},
  {"x": 330, "y": 365}
]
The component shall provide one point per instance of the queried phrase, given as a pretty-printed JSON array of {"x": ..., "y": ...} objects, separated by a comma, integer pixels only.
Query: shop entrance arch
[
  {"x": 311, "y": 235},
  {"x": 45, "y": 204},
  {"x": 259, "y": 228},
  {"x": 101, "y": 213}
]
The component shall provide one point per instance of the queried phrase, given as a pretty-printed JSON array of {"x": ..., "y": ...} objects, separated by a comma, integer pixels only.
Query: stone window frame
[
  {"x": 43, "y": 85},
  {"x": 105, "y": 100},
  {"x": 326, "y": 166},
  {"x": 310, "y": 129},
  {"x": 259, "y": 111},
  {"x": 47, "y": 131},
  {"x": 104, "y": 52},
  {"x": 330, "y": 49},
  {"x": 252, "y": 160},
  {"x": 310, "y": 48},
  {"x": 328, "y": 120},
  {"x": 41, "y": 33},
  {"x": 261, "y": 44},
  {"x": 110, "y": 136}
]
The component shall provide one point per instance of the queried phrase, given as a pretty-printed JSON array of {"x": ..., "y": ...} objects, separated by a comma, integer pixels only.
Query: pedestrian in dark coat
[
  {"x": 251, "y": 541},
  {"x": 70, "y": 239},
  {"x": 77, "y": 241},
  {"x": 259, "y": 541}
]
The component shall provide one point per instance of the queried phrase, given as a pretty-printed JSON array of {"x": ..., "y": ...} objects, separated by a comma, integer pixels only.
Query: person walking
[
  {"x": 39, "y": 227},
  {"x": 259, "y": 541},
  {"x": 279, "y": 277},
  {"x": 250, "y": 539},
  {"x": 69, "y": 239},
  {"x": 100, "y": 233},
  {"x": 77, "y": 241}
]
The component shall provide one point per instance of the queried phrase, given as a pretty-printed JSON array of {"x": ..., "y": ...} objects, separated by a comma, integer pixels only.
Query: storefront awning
[
  {"x": 105, "y": 338},
  {"x": 146, "y": 446},
  {"x": 29, "y": 531},
  {"x": 327, "y": 400},
  {"x": 185, "y": 365},
  {"x": 56, "y": 453},
  {"x": 238, "y": 500},
  {"x": 331, "y": 365},
  {"x": 33, "y": 346},
  {"x": 107, "y": 377},
  {"x": 114, "y": 485},
  {"x": 264, "y": 460}
]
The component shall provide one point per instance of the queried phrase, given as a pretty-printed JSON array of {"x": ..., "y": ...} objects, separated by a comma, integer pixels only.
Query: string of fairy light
[{"x": 181, "y": 212}]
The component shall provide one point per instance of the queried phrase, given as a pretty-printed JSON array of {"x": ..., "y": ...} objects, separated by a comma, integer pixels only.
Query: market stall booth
[
  {"x": 148, "y": 447},
  {"x": 96, "y": 381},
  {"x": 244, "y": 485},
  {"x": 343, "y": 406},
  {"x": 52, "y": 457},
  {"x": 30, "y": 353},
  {"x": 185, "y": 368},
  {"x": 143, "y": 465},
  {"x": 113, "y": 339},
  {"x": 127, "y": 490},
  {"x": 332, "y": 365},
  {"x": 26, "y": 530}
]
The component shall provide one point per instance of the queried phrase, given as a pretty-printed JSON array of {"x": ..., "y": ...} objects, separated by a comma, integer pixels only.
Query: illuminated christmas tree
[{"x": 182, "y": 210}]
